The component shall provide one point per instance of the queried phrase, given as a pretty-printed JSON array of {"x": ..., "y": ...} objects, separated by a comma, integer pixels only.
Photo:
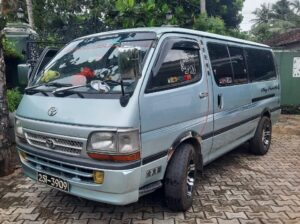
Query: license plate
[{"x": 53, "y": 181}]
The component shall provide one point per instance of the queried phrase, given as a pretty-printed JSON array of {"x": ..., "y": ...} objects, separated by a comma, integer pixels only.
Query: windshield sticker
[
  {"x": 225, "y": 81},
  {"x": 173, "y": 79},
  {"x": 176, "y": 79},
  {"x": 187, "y": 77},
  {"x": 188, "y": 66}
]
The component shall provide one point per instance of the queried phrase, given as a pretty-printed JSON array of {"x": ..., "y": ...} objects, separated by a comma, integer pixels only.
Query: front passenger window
[{"x": 180, "y": 66}]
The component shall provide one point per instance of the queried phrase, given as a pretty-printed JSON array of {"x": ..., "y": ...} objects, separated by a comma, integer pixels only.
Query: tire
[
  {"x": 178, "y": 190},
  {"x": 261, "y": 142}
]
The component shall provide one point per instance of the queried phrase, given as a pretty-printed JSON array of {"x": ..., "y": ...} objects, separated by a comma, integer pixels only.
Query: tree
[
  {"x": 296, "y": 6},
  {"x": 203, "y": 6},
  {"x": 187, "y": 14},
  {"x": 9, "y": 9},
  {"x": 30, "y": 12},
  {"x": 61, "y": 19},
  {"x": 282, "y": 10},
  {"x": 276, "y": 19},
  {"x": 263, "y": 14},
  {"x": 210, "y": 24},
  {"x": 5, "y": 144},
  {"x": 228, "y": 10}
]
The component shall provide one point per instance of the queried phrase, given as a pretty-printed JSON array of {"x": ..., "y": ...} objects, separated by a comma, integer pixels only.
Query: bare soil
[{"x": 287, "y": 125}]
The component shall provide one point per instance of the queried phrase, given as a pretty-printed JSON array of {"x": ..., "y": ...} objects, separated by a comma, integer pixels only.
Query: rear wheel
[
  {"x": 180, "y": 178},
  {"x": 261, "y": 142}
]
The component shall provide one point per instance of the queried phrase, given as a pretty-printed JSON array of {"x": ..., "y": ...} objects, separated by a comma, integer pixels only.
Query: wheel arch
[
  {"x": 193, "y": 138},
  {"x": 266, "y": 113}
]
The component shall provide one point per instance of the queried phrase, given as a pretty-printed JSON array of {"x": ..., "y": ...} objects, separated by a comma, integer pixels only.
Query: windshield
[{"x": 105, "y": 58}]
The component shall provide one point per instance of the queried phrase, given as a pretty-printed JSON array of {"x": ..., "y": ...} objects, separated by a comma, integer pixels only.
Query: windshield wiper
[
  {"x": 112, "y": 82},
  {"x": 54, "y": 84},
  {"x": 63, "y": 89}
]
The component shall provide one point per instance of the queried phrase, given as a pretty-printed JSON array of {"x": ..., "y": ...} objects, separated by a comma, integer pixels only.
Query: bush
[
  {"x": 210, "y": 24},
  {"x": 14, "y": 97},
  {"x": 10, "y": 50}
]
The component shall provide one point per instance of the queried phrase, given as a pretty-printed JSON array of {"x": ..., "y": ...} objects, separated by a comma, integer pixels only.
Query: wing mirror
[{"x": 24, "y": 73}]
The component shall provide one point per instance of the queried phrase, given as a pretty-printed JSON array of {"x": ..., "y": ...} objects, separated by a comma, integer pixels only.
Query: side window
[
  {"x": 260, "y": 64},
  {"x": 180, "y": 64},
  {"x": 238, "y": 65},
  {"x": 221, "y": 64}
]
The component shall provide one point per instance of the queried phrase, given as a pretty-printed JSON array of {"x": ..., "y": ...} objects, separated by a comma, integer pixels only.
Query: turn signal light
[
  {"x": 98, "y": 177},
  {"x": 116, "y": 158}
]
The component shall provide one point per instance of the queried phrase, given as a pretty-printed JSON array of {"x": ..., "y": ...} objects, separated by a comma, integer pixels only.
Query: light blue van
[{"x": 114, "y": 116}]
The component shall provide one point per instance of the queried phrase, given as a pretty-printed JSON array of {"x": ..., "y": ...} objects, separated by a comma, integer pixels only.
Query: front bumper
[{"x": 121, "y": 181}]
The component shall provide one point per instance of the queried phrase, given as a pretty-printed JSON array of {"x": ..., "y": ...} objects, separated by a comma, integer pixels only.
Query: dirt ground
[{"x": 288, "y": 125}]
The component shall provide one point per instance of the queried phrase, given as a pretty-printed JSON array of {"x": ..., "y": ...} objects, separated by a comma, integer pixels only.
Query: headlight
[
  {"x": 103, "y": 142},
  {"x": 128, "y": 142},
  {"x": 19, "y": 129},
  {"x": 119, "y": 146}
]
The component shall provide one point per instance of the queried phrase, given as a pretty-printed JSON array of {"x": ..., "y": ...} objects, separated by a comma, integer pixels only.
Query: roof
[
  {"x": 162, "y": 30},
  {"x": 284, "y": 39}
]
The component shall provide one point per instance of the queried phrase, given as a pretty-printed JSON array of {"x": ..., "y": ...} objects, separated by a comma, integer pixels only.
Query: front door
[{"x": 176, "y": 96}]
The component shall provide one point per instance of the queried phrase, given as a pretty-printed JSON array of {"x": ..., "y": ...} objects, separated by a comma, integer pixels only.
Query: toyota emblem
[
  {"x": 52, "y": 111},
  {"x": 50, "y": 143}
]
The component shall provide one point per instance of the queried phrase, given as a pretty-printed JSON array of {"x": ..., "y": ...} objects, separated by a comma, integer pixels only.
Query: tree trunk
[
  {"x": 6, "y": 149},
  {"x": 203, "y": 6},
  {"x": 30, "y": 13}
]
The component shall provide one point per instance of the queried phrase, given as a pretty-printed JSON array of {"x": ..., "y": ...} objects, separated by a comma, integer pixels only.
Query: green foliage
[
  {"x": 10, "y": 49},
  {"x": 275, "y": 19},
  {"x": 239, "y": 34},
  {"x": 66, "y": 19},
  {"x": 228, "y": 10},
  {"x": 14, "y": 97},
  {"x": 2, "y": 22},
  {"x": 9, "y": 9},
  {"x": 129, "y": 14},
  {"x": 210, "y": 24},
  {"x": 153, "y": 13}
]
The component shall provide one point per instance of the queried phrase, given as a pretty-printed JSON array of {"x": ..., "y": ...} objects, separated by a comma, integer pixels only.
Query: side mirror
[{"x": 23, "y": 73}]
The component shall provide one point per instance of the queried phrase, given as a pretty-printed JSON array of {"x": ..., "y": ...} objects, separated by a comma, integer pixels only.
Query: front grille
[
  {"x": 45, "y": 141},
  {"x": 59, "y": 169}
]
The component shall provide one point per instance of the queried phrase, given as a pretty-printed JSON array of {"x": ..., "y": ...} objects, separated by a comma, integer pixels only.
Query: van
[{"x": 114, "y": 116}]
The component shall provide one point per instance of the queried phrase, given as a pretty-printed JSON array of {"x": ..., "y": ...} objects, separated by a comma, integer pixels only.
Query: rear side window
[
  {"x": 261, "y": 65},
  {"x": 180, "y": 65},
  {"x": 221, "y": 64},
  {"x": 238, "y": 65}
]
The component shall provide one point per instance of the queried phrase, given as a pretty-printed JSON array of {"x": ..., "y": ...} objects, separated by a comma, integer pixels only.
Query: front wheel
[
  {"x": 261, "y": 142},
  {"x": 180, "y": 178}
]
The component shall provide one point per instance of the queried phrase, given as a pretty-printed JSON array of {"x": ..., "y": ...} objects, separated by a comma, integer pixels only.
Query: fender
[
  {"x": 191, "y": 137},
  {"x": 267, "y": 112}
]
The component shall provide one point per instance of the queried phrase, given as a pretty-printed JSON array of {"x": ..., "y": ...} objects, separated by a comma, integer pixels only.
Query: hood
[{"x": 78, "y": 111}]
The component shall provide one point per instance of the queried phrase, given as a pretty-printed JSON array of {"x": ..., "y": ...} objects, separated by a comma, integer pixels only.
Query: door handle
[
  {"x": 220, "y": 101},
  {"x": 203, "y": 95}
]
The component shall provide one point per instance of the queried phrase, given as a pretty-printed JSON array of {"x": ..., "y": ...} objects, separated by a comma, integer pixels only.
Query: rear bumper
[{"x": 120, "y": 186}]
